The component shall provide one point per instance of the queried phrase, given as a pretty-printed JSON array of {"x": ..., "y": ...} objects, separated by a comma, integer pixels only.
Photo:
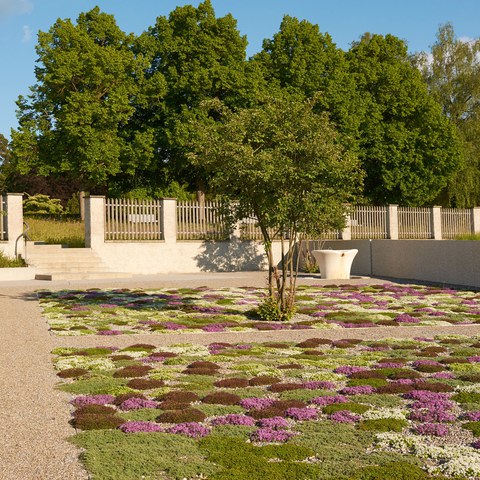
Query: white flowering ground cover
[
  {"x": 116, "y": 312},
  {"x": 319, "y": 409}
]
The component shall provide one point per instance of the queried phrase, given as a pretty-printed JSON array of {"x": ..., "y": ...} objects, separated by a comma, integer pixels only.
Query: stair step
[
  {"x": 55, "y": 262},
  {"x": 81, "y": 275}
]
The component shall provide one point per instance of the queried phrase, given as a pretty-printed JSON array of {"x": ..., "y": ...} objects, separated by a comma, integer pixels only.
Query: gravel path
[{"x": 34, "y": 416}]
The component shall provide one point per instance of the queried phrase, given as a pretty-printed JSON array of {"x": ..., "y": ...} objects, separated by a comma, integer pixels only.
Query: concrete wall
[
  {"x": 14, "y": 226},
  {"x": 455, "y": 262},
  {"x": 170, "y": 255}
]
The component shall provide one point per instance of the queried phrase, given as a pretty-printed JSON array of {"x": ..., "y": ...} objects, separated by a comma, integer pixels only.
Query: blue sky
[{"x": 415, "y": 21}]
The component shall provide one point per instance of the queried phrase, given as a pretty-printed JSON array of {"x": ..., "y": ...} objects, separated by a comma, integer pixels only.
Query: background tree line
[{"x": 113, "y": 112}]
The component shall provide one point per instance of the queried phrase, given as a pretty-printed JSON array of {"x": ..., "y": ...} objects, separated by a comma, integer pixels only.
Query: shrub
[
  {"x": 350, "y": 406},
  {"x": 372, "y": 382},
  {"x": 94, "y": 409},
  {"x": 181, "y": 396},
  {"x": 40, "y": 204},
  {"x": 181, "y": 416},
  {"x": 263, "y": 380},
  {"x": 429, "y": 368},
  {"x": 232, "y": 383},
  {"x": 383, "y": 425},
  {"x": 474, "y": 427},
  {"x": 119, "y": 399},
  {"x": 269, "y": 412},
  {"x": 172, "y": 405},
  {"x": 391, "y": 471},
  {"x": 209, "y": 365},
  {"x": 314, "y": 342},
  {"x": 288, "y": 366},
  {"x": 139, "y": 347},
  {"x": 200, "y": 371},
  {"x": 7, "y": 262},
  {"x": 435, "y": 350},
  {"x": 283, "y": 387},
  {"x": 132, "y": 371},
  {"x": 93, "y": 421},
  {"x": 222, "y": 398},
  {"x": 72, "y": 372},
  {"x": 466, "y": 397},
  {"x": 145, "y": 383},
  {"x": 368, "y": 374},
  {"x": 394, "y": 388}
]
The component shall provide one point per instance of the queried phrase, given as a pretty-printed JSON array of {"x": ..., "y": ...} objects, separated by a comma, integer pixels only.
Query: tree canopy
[
  {"x": 282, "y": 163},
  {"x": 408, "y": 148},
  {"x": 114, "y": 109},
  {"x": 452, "y": 73}
]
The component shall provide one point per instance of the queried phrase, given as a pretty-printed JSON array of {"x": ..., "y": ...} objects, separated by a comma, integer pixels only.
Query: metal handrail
[{"x": 24, "y": 235}]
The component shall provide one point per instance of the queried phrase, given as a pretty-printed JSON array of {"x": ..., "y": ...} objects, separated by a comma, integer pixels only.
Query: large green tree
[
  {"x": 452, "y": 72},
  {"x": 408, "y": 148},
  {"x": 301, "y": 59},
  {"x": 201, "y": 57},
  {"x": 77, "y": 117},
  {"x": 282, "y": 163}
]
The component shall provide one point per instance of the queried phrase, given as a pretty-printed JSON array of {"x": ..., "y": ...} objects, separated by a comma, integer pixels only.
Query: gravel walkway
[{"x": 34, "y": 416}]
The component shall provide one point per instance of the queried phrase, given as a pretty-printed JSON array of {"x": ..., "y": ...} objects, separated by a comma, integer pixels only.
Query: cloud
[
  {"x": 27, "y": 34},
  {"x": 15, "y": 7}
]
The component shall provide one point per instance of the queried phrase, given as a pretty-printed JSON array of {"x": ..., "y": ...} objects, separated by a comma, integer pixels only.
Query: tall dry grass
[{"x": 56, "y": 231}]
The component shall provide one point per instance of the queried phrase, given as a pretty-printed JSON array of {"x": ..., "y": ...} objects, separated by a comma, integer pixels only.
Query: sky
[{"x": 415, "y": 21}]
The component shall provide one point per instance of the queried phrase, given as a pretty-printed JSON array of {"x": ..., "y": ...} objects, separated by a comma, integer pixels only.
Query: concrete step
[
  {"x": 81, "y": 275},
  {"x": 55, "y": 262}
]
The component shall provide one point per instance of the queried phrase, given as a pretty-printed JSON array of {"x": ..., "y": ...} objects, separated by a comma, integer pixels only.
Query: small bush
[
  {"x": 284, "y": 387},
  {"x": 7, "y": 262},
  {"x": 173, "y": 405},
  {"x": 395, "y": 388},
  {"x": 263, "y": 380},
  {"x": 93, "y": 421},
  {"x": 232, "y": 383},
  {"x": 368, "y": 374},
  {"x": 391, "y": 471},
  {"x": 132, "y": 371},
  {"x": 222, "y": 398},
  {"x": 119, "y": 399},
  {"x": 72, "y": 373},
  {"x": 182, "y": 416},
  {"x": 145, "y": 383},
  {"x": 290, "y": 366},
  {"x": 94, "y": 409},
  {"x": 180, "y": 396},
  {"x": 314, "y": 343},
  {"x": 209, "y": 365},
  {"x": 200, "y": 371},
  {"x": 383, "y": 425},
  {"x": 474, "y": 427},
  {"x": 466, "y": 397},
  {"x": 350, "y": 406}
]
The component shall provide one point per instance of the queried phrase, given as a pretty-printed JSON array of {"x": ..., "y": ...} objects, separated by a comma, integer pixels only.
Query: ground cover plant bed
[
  {"x": 124, "y": 311},
  {"x": 358, "y": 410}
]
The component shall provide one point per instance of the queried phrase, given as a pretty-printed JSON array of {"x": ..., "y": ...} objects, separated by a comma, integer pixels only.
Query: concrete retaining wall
[{"x": 455, "y": 262}]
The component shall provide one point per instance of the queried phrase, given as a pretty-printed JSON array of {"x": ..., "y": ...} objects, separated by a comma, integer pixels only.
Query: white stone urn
[{"x": 335, "y": 264}]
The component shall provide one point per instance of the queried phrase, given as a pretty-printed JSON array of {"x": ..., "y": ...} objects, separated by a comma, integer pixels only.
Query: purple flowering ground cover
[
  {"x": 323, "y": 409},
  {"x": 124, "y": 311}
]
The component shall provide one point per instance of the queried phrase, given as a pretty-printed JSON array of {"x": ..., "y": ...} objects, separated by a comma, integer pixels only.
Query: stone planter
[{"x": 335, "y": 264}]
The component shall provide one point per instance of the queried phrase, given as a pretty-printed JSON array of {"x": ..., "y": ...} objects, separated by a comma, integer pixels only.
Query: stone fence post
[
  {"x": 15, "y": 224},
  {"x": 476, "y": 220},
  {"x": 94, "y": 221},
  {"x": 436, "y": 222},
  {"x": 169, "y": 220},
  {"x": 392, "y": 222}
]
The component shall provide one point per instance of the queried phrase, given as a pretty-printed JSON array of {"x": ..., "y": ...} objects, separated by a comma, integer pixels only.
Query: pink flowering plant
[
  {"x": 280, "y": 395},
  {"x": 125, "y": 311}
]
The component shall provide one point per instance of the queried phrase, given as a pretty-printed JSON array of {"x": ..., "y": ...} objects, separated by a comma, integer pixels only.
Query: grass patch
[
  {"x": 57, "y": 231},
  {"x": 7, "y": 262}
]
